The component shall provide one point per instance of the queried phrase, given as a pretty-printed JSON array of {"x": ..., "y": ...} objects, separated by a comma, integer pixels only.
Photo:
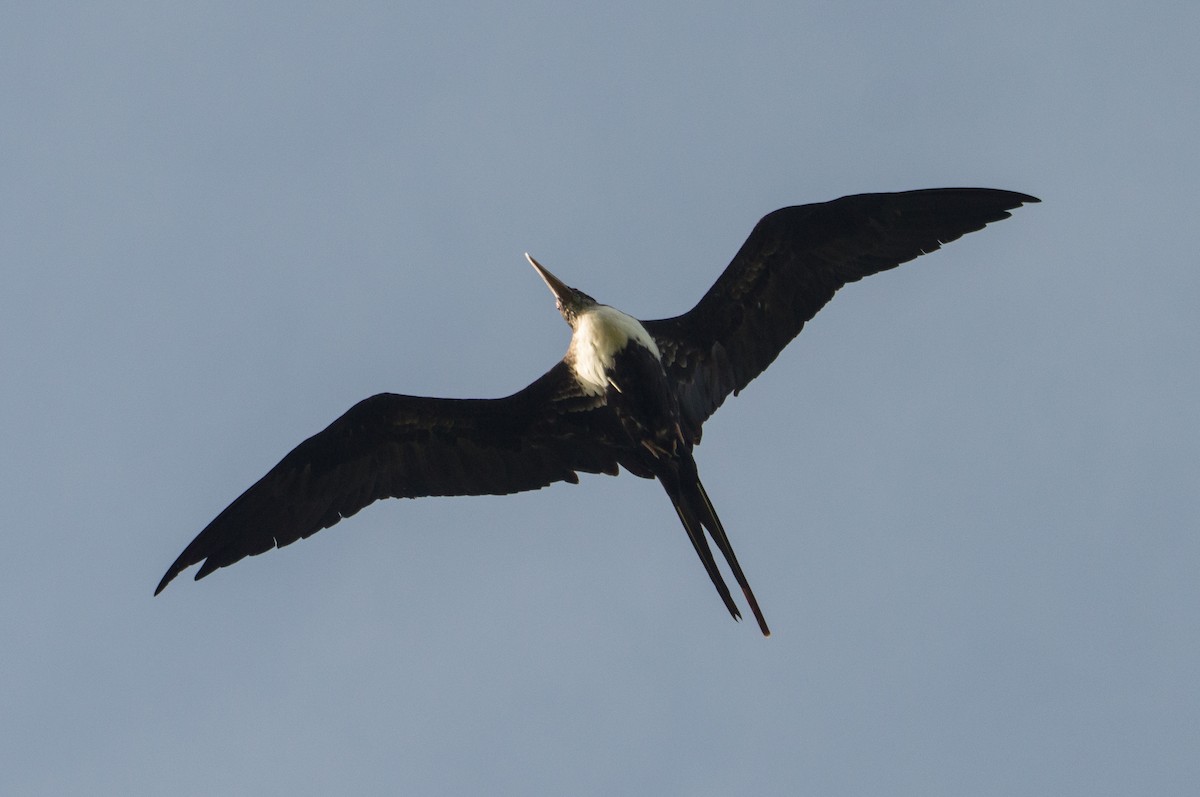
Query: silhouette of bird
[{"x": 628, "y": 394}]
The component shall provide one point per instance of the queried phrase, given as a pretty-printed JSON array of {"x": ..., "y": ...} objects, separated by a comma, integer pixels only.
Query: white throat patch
[{"x": 599, "y": 334}]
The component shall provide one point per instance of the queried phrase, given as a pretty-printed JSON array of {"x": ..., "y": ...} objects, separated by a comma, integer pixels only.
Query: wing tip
[
  {"x": 1019, "y": 199},
  {"x": 178, "y": 566},
  {"x": 181, "y": 564},
  {"x": 167, "y": 578}
]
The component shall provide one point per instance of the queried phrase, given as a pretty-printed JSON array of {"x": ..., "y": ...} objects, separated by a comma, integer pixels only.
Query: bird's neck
[{"x": 600, "y": 334}]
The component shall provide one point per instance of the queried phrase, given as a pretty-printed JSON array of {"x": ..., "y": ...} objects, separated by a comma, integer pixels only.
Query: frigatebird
[{"x": 628, "y": 394}]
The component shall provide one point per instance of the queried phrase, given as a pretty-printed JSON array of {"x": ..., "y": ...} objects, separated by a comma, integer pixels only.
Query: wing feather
[
  {"x": 393, "y": 446},
  {"x": 794, "y": 261}
]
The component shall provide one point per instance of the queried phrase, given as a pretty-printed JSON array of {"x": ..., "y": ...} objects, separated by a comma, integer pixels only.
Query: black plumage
[{"x": 613, "y": 401}]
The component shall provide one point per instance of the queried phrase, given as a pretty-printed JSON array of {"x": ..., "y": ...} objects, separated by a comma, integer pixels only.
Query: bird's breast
[{"x": 600, "y": 334}]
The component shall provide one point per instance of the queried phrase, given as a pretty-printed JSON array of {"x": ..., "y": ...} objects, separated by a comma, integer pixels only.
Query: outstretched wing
[
  {"x": 404, "y": 447},
  {"x": 795, "y": 259}
]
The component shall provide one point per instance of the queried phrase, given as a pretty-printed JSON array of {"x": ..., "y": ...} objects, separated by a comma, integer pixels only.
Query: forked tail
[{"x": 682, "y": 483}]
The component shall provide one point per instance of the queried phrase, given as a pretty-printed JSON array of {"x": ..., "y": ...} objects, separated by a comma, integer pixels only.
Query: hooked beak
[{"x": 556, "y": 286}]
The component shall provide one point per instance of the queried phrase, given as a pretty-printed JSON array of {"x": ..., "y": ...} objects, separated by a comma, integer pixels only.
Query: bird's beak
[{"x": 557, "y": 286}]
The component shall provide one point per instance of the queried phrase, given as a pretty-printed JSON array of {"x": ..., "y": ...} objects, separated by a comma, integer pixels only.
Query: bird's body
[
  {"x": 601, "y": 334},
  {"x": 627, "y": 394}
]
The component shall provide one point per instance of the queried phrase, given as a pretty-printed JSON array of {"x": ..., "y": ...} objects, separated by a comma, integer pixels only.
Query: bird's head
[{"x": 570, "y": 302}]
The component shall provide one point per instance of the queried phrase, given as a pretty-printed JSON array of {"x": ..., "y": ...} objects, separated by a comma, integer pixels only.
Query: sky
[{"x": 966, "y": 496}]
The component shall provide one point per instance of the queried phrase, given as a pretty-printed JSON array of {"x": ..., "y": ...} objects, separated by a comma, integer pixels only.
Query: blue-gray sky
[{"x": 966, "y": 496}]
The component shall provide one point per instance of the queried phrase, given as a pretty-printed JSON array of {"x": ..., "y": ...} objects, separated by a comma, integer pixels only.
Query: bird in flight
[{"x": 628, "y": 393}]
